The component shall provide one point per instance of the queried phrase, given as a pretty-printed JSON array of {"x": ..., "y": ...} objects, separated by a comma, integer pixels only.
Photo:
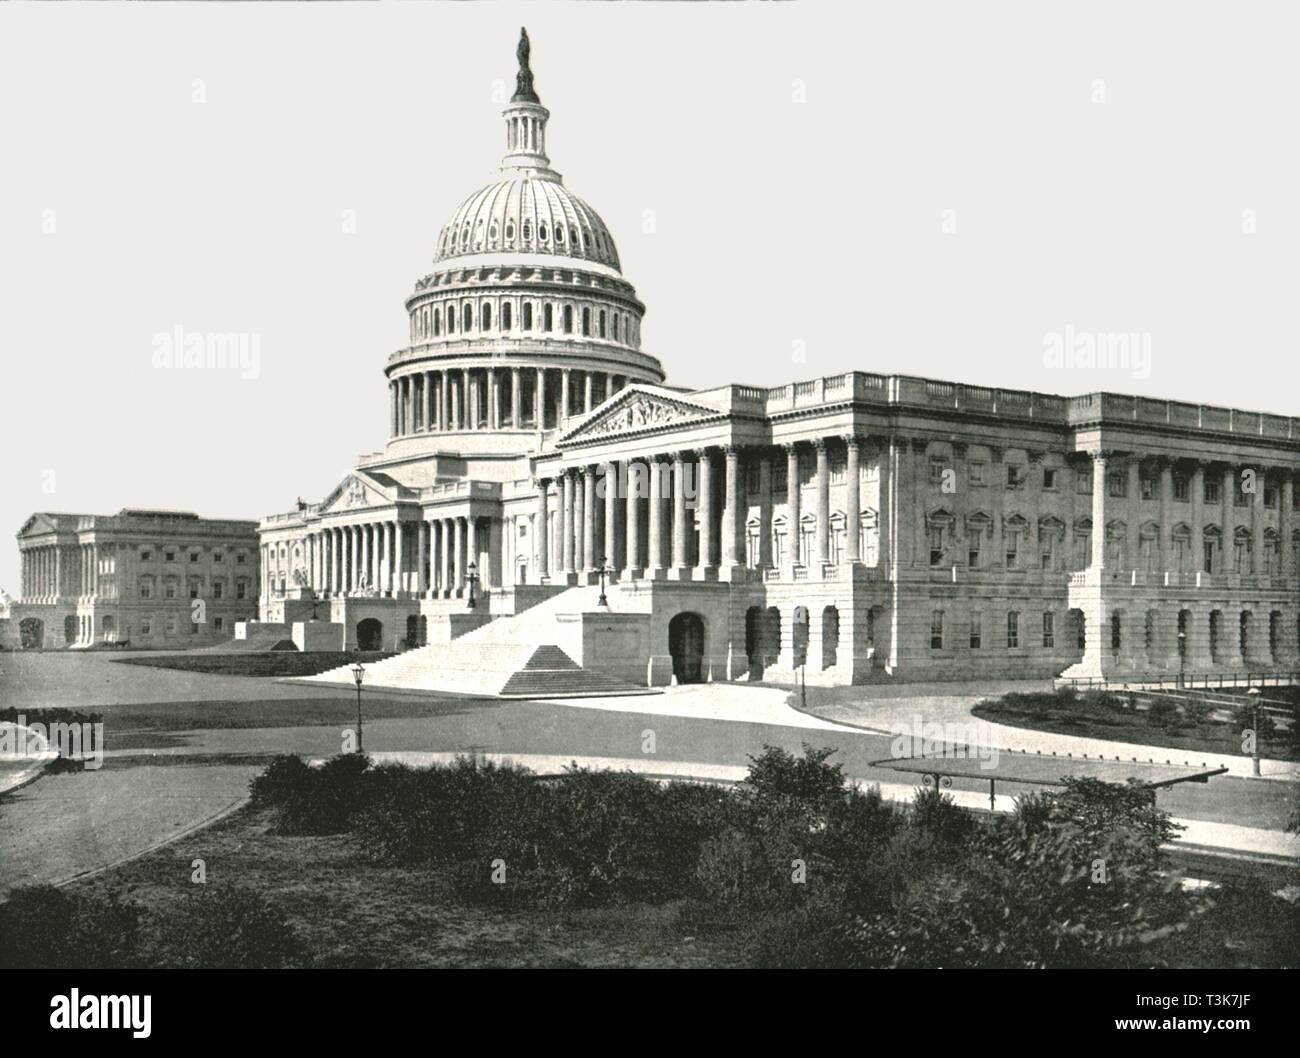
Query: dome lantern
[{"x": 526, "y": 121}]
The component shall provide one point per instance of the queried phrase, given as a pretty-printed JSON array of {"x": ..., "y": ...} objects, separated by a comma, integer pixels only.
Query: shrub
[
  {"x": 45, "y": 927},
  {"x": 311, "y": 800}
]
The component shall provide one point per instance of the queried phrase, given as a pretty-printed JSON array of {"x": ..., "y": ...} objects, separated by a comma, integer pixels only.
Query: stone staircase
[{"x": 528, "y": 654}]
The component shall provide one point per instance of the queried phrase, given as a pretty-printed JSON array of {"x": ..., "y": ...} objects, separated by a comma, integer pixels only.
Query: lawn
[
  {"x": 348, "y": 911},
  {"x": 275, "y": 663},
  {"x": 1111, "y": 716}
]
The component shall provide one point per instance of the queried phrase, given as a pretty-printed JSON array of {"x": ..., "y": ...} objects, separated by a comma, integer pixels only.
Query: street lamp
[
  {"x": 1253, "y": 694},
  {"x": 604, "y": 573},
  {"x": 359, "y": 674},
  {"x": 471, "y": 578}
]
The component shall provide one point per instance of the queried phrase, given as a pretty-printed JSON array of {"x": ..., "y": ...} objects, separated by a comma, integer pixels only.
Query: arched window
[
  {"x": 528, "y": 315},
  {"x": 485, "y": 316},
  {"x": 451, "y": 319},
  {"x": 466, "y": 318},
  {"x": 507, "y": 312},
  {"x": 543, "y": 232},
  {"x": 601, "y": 323},
  {"x": 547, "y": 314},
  {"x": 528, "y": 231},
  {"x": 616, "y": 326},
  {"x": 568, "y": 319},
  {"x": 437, "y": 323},
  {"x": 559, "y": 234},
  {"x": 510, "y": 231},
  {"x": 586, "y": 322}
]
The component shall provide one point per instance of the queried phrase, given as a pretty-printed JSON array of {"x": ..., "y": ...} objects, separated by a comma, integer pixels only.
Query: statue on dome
[{"x": 524, "y": 80}]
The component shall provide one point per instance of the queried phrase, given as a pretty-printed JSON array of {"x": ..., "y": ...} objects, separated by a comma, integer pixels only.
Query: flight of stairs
[{"x": 520, "y": 655}]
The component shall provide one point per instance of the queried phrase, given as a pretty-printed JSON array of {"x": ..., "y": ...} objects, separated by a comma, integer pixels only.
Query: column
[
  {"x": 792, "y": 500},
  {"x": 681, "y": 552},
  {"x": 632, "y": 560},
  {"x": 420, "y": 585},
  {"x": 1166, "y": 515},
  {"x": 565, "y": 395},
  {"x": 704, "y": 504},
  {"x": 853, "y": 501},
  {"x": 471, "y": 544},
  {"x": 568, "y": 515},
  {"x": 589, "y": 556},
  {"x": 655, "y": 560},
  {"x": 1286, "y": 557},
  {"x": 392, "y": 409},
  {"x": 1134, "y": 508},
  {"x": 367, "y": 576},
  {"x": 1257, "y": 518},
  {"x": 458, "y": 555},
  {"x": 586, "y": 399},
  {"x": 1227, "y": 518},
  {"x": 765, "y": 510},
  {"x": 428, "y": 400},
  {"x": 399, "y": 558},
  {"x": 1098, "y": 519},
  {"x": 543, "y": 531},
  {"x": 94, "y": 573},
  {"x": 887, "y": 487},
  {"x": 733, "y": 527},
  {"x": 470, "y": 400},
  {"x": 444, "y": 401},
  {"x": 540, "y": 399},
  {"x": 611, "y": 517},
  {"x": 1197, "y": 503},
  {"x": 445, "y": 577},
  {"x": 823, "y": 504}
]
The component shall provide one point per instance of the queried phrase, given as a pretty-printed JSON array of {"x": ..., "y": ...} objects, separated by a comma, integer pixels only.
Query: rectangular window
[
  {"x": 838, "y": 465},
  {"x": 936, "y": 546},
  {"x": 146, "y": 590},
  {"x": 169, "y": 556},
  {"x": 976, "y": 631},
  {"x": 937, "y": 467},
  {"x": 973, "y": 541},
  {"x": 752, "y": 479},
  {"x": 170, "y": 591},
  {"x": 779, "y": 478},
  {"x": 1083, "y": 480},
  {"x": 145, "y": 556},
  {"x": 1211, "y": 491},
  {"x": 1013, "y": 550},
  {"x": 1015, "y": 476},
  {"x": 171, "y": 626},
  {"x": 1049, "y": 477},
  {"x": 936, "y": 630},
  {"x": 1013, "y": 630},
  {"x": 241, "y": 589},
  {"x": 218, "y": 556},
  {"x": 1047, "y": 550},
  {"x": 218, "y": 624},
  {"x": 1049, "y": 629},
  {"x": 217, "y": 588},
  {"x": 1270, "y": 496},
  {"x": 975, "y": 473},
  {"x": 1116, "y": 484},
  {"x": 1208, "y": 555},
  {"x": 1239, "y": 496},
  {"x": 1182, "y": 489},
  {"x": 240, "y": 558},
  {"x": 1148, "y": 488},
  {"x": 145, "y": 626},
  {"x": 194, "y": 556}
]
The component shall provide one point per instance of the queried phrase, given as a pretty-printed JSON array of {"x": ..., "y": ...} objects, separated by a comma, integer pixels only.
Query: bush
[
  {"x": 49, "y": 928},
  {"x": 311, "y": 800},
  {"x": 1162, "y": 713}
]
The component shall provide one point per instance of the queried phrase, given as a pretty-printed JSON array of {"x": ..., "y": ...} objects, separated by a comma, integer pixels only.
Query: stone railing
[{"x": 1121, "y": 407}]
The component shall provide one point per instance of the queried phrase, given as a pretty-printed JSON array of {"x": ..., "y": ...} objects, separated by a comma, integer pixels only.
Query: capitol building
[{"x": 550, "y": 513}]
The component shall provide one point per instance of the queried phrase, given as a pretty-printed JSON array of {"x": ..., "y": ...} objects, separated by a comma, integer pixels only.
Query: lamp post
[
  {"x": 604, "y": 573},
  {"x": 1182, "y": 659},
  {"x": 1253, "y": 694},
  {"x": 359, "y": 674},
  {"x": 471, "y": 578}
]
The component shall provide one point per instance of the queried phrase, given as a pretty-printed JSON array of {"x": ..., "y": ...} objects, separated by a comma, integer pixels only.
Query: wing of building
[
  {"x": 859, "y": 527},
  {"x": 143, "y": 578}
]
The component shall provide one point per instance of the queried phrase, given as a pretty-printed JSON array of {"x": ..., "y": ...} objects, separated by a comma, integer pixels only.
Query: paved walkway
[{"x": 23, "y": 754}]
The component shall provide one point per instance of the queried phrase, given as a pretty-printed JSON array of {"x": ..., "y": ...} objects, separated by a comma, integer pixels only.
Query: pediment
[
  {"x": 358, "y": 491},
  {"x": 637, "y": 410},
  {"x": 38, "y": 525}
]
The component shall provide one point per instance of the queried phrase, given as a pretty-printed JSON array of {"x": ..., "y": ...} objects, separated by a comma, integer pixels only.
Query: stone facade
[
  {"x": 140, "y": 577},
  {"x": 858, "y": 527}
]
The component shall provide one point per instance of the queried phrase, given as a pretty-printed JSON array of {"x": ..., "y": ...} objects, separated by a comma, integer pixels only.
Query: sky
[{"x": 796, "y": 190}]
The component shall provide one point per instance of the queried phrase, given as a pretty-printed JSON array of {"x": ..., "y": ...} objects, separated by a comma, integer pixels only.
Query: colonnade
[
  {"x": 52, "y": 571},
  {"x": 494, "y": 398}
]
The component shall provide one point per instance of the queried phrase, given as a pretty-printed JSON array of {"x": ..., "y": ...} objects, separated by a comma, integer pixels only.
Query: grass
[
  {"x": 278, "y": 663},
  {"x": 350, "y": 912},
  {"x": 1110, "y": 717}
]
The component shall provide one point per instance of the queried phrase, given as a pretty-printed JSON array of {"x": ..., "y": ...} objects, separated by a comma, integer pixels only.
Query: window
[
  {"x": 1013, "y": 548},
  {"x": 568, "y": 319},
  {"x": 1013, "y": 630},
  {"x": 146, "y": 626},
  {"x": 1049, "y": 477},
  {"x": 839, "y": 463},
  {"x": 547, "y": 317},
  {"x": 1015, "y": 476},
  {"x": 466, "y": 317},
  {"x": 936, "y": 630},
  {"x": 976, "y": 633},
  {"x": 975, "y": 473},
  {"x": 1182, "y": 489},
  {"x": 1115, "y": 484},
  {"x": 1239, "y": 496},
  {"x": 241, "y": 558},
  {"x": 194, "y": 556},
  {"x": 528, "y": 315},
  {"x": 1211, "y": 491},
  {"x": 937, "y": 467},
  {"x": 485, "y": 316},
  {"x": 1049, "y": 630},
  {"x": 936, "y": 545},
  {"x": 1083, "y": 480},
  {"x": 1270, "y": 496},
  {"x": 145, "y": 556},
  {"x": 1047, "y": 549},
  {"x": 217, "y": 589},
  {"x": 169, "y": 556},
  {"x": 218, "y": 556},
  {"x": 507, "y": 316},
  {"x": 171, "y": 626},
  {"x": 169, "y": 590},
  {"x": 218, "y": 624},
  {"x": 586, "y": 323},
  {"x": 780, "y": 483},
  {"x": 146, "y": 587},
  {"x": 195, "y": 587},
  {"x": 601, "y": 323},
  {"x": 974, "y": 544}
]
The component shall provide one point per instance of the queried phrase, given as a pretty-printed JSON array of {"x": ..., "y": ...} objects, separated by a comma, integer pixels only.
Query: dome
[{"x": 527, "y": 212}]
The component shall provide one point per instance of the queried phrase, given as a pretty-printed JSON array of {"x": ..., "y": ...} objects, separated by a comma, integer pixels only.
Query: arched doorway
[
  {"x": 70, "y": 628},
  {"x": 31, "y": 633},
  {"x": 370, "y": 634},
  {"x": 799, "y": 633},
  {"x": 413, "y": 630},
  {"x": 830, "y": 636},
  {"x": 686, "y": 645}
]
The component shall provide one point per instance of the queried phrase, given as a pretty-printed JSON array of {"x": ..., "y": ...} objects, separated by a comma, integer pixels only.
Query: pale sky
[{"x": 777, "y": 177}]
